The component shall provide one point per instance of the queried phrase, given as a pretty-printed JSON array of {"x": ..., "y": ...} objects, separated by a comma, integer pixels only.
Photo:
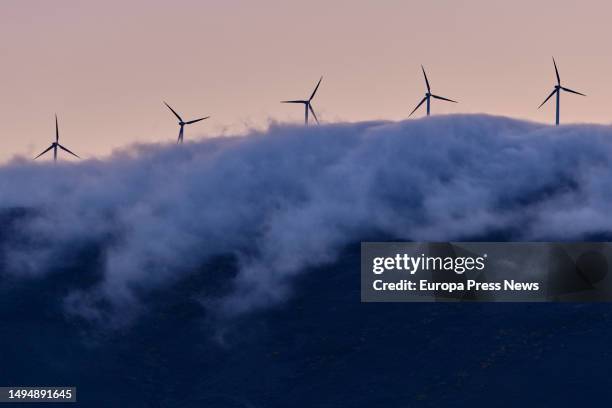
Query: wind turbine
[
  {"x": 182, "y": 123},
  {"x": 428, "y": 96},
  {"x": 307, "y": 104},
  {"x": 557, "y": 91},
  {"x": 55, "y": 145}
]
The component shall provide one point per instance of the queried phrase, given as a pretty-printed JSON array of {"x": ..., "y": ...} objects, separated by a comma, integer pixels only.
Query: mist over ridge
[{"x": 289, "y": 198}]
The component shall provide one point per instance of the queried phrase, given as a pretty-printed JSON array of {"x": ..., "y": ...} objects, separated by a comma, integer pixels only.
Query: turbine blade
[
  {"x": 67, "y": 151},
  {"x": 175, "y": 114},
  {"x": 557, "y": 72},
  {"x": 294, "y": 101},
  {"x": 56, "y": 130},
  {"x": 426, "y": 81},
  {"x": 569, "y": 90},
  {"x": 49, "y": 148},
  {"x": 315, "y": 90},
  {"x": 443, "y": 99},
  {"x": 549, "y": 96},
  {"x": 196, "y": 120},
  {"x": 313, "y": 113},
  {"x": 418, "y": 106},
  {"x": 180, "y": 136}
]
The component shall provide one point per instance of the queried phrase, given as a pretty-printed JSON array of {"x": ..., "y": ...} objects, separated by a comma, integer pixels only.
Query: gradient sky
[{"x": 106, "y": 66}]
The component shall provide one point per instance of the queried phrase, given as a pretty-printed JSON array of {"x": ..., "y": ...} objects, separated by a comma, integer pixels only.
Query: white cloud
[{"x": 290, "y": 197}]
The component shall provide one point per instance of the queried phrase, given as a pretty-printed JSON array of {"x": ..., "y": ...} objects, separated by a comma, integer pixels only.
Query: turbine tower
[
  {"x": 182, "y": 123},
  {"x": 55, "y": 145},
  {"x": 307, "y": 104},
  {"x": 428, "y": 96},
  {"x": 557, "y": 91}
]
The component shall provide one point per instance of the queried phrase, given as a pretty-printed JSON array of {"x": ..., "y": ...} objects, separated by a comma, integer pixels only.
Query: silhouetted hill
[{"x": 322, "y": 347}]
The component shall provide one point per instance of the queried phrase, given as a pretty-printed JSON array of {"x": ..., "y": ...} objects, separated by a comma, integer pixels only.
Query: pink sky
[{"x": 105, "y": 67}]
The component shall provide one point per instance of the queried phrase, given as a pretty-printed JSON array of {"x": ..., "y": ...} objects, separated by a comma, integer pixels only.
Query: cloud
[{"x": 289, "y": 198}]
